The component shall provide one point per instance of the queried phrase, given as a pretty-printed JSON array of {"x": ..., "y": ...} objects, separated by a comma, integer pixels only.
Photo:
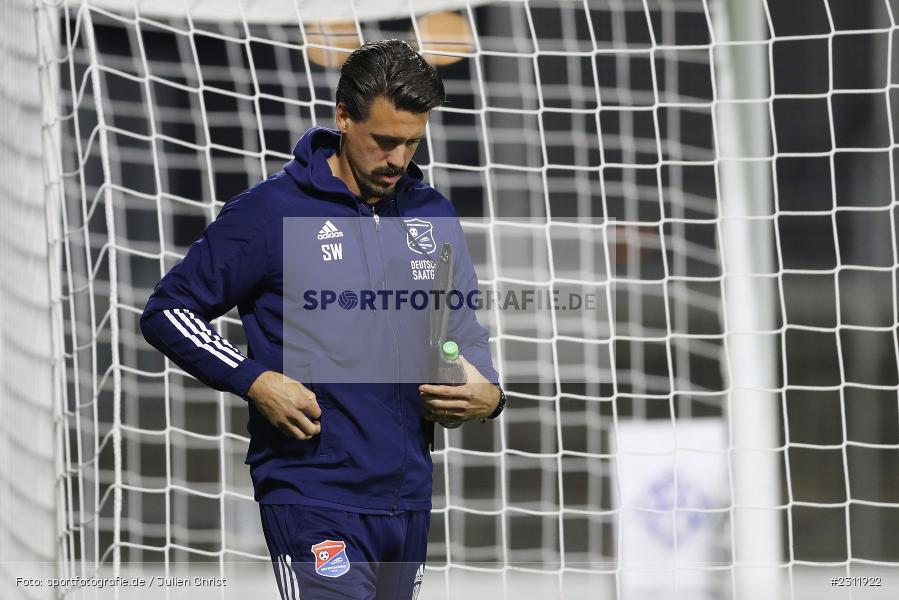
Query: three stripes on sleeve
[
  {"x": 198, "y": 332},
  {"x": 191, "y": 342}
]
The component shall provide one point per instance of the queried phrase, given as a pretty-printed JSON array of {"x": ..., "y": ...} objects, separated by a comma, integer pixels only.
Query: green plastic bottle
[{"x": 450, "y": 372}]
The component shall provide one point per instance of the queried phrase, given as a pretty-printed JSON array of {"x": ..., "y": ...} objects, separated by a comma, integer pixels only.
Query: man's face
[{"x": 379, "y": 149}]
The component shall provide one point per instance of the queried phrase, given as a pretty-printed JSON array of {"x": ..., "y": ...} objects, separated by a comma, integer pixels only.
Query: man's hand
[
  {"x": 476, "y": 399},
  {"x": 287, "y": 404}
]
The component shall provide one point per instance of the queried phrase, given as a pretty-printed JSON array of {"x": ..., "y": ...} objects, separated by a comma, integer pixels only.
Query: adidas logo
[{"x": 328, "y": 231}]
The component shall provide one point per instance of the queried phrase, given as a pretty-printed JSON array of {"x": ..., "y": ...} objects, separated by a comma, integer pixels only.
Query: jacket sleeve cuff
[{"x": 243, "y": 377}]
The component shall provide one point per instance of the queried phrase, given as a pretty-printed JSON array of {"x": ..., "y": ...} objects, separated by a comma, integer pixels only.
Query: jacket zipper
[{"x": 396, "y": 345}]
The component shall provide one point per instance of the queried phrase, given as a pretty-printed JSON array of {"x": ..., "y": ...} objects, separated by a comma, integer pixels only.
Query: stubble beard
[{"x": 369, "y": 190}]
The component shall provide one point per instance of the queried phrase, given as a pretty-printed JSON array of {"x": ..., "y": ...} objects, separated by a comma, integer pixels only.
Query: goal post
[
  {"x": 30, "y": 379},
  {"x": 693, "y": 436},
  {"x": 747, "y": 246}
]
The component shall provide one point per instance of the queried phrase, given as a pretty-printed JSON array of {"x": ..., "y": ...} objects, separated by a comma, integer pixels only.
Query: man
[{"x": 340, "y": 465}]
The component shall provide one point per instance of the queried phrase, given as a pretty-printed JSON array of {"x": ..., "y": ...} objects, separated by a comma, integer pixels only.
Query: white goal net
[{"x": 731, "y": 428}]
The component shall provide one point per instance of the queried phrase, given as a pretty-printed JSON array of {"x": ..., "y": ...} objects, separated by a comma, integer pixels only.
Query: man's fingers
[
  {"x": 299, "y": 419},
  {"x": 438, "y": 405},
  {"x": 292, "y": 431},
  {"x": 305, "y": 400},
  {"x": 438, "y": 416},
  {"x": 446, "y": 391},
  {"x": 312, "y": 408},
  {"x": 288, "y": 405}
]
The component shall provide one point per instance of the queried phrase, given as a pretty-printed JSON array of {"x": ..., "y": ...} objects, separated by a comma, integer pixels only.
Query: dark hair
[{"x": 391, "y": 69}]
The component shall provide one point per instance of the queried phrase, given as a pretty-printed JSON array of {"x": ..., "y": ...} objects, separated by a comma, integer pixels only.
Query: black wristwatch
[{"x": 500, "y": 406}]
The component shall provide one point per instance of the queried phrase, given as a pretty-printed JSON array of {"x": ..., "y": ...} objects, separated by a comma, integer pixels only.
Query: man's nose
[{"x": 395, "y": 158}]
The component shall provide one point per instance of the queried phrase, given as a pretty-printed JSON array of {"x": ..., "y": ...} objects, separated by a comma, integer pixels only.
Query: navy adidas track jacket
[{"x": 372, "y": 453}]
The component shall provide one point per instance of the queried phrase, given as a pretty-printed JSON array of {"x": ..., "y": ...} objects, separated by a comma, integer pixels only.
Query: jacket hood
[{"x": 310, "y": 168}]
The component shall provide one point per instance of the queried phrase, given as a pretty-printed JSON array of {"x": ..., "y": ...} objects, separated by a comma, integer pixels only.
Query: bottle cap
[{"x": 450, "y": 350}]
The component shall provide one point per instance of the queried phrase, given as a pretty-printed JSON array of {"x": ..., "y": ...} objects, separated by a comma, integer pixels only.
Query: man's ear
[{"x": 342, "y": 118}]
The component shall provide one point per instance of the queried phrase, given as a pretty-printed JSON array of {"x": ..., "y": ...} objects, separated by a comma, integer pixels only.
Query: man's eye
[{"x": 412, "y": 142}]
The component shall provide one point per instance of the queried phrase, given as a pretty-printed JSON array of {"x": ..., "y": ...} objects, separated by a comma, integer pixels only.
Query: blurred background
[{"x": 690, "y": 140}]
